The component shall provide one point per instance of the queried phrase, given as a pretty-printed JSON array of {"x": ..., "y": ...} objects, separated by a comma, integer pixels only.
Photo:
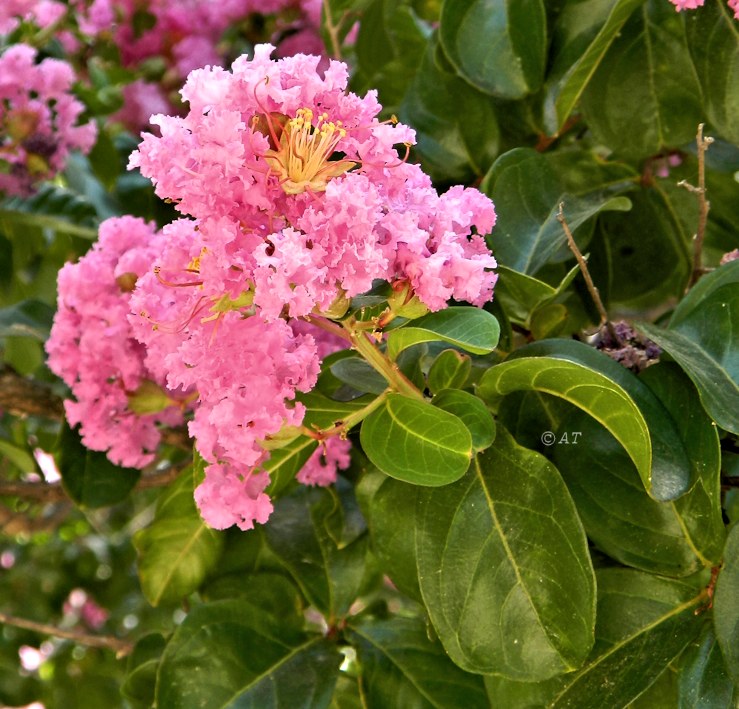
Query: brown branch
[
  {"x": 25, "y": 397},
  {"x": 703, "y": 205},
  {"x": 108, "y": 642},
  {"x": 592, "y": 289}
]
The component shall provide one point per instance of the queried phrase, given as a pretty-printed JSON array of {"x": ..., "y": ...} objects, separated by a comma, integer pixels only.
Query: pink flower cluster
[
  {"x": 92, "y": 349},
  {"x": 694, "y": 4},
  {"x": 299, "y": 200},
  {"x": 38, "y": 119},
  {"x": 42, "y": 12}
]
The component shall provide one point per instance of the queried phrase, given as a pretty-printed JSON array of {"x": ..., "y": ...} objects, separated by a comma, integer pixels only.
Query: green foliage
[{"x": 526, "y": 522}]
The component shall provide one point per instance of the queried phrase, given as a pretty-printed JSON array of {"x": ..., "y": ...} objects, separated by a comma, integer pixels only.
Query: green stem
[
  {"x": 363, "y": 344},
  {"x": 348, "y": 422}
]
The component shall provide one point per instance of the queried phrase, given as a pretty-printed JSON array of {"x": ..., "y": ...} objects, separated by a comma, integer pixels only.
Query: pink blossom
[
  {"x": 40, "y": 118},
  {"x": 681, "y": 5},
  {"x": 321, "y": 467},
  {"x": 734, "y": 5},
  {"x": 92, "y": 349}
]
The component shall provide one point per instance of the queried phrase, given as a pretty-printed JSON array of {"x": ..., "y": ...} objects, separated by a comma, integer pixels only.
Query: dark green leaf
[
  {"x": 472, "y": 329},
  {"x": 725, "y": 606},
  {"x": 89, "y": 478},
  {"x": 499, "y": 46},
  {"x": 231, "y": 654},
  {"x": 177, "y": 550},
  {"x": 456, "y": 128},
  {"x": 504, "y": 568},
  {"x": 141, "y": 669},
  {"x": 392, "y": 521},
  {"x": 450, "y": 370},
  {"x": 644, "y": 95},
  {"x": 527, "y": 188},
  {"x": 713, "y": 39},
  {"x": 670, "y": 468},
  {"x": 704, "y": 682},
  {"x": 29, "y": 318},
  {"x": 618, "y": 515},
  {"x": 358, "y": 374},
  {"x": 302, "y": 533},
  {"x": 472, "y": 412},
  {"x": 284, "y": 463},
  {"x": 402, "y": 667},
  {"x": 580, "y": 51},
  {"x": 413, "y": 441}
]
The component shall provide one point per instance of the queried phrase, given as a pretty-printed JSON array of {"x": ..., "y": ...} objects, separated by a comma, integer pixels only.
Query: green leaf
[
  {"x": 658, "y": 267},
  {"x": 644, "y": 623},
  {"x": 303, "y": 535},
  {"x": 584, "y": 387},
  {"x": 725, "y": 607},
  {"x": 706, "y": 360},
  {"x": 669, "y": 465},
  {"x": 322, "y": 412},
  {"x": 51, "y": 207},
  {"x": 392, "y": 523},
  {"x": 699, "y": 510},
  {"x": 473, "y": 414},
  {"x": 89, "y": 478},
  {"x": 456, "y": 128},
  {"x": 618, "y": 516},
  {"x": 450, "y": 370},
  {"x": 18, "y": 456},
  {"x": 401, "y": 666},
  {"x": 177, "y": 551},
  {"x": 504, "y": 568},
  {"x": 29, "y": 318},
  {"x": 141, "y": 669},
  {"x": 232, "y": 654},
  {"x": 284, "y": 463},
  {"x": 415, "y": 442},
  {"x": 499, "y": 46},
  {"x": 713, "y": 40},
  {"x": 472, "y": 329},
  {"x": 581, "y": 53},
  {"x": 644, "y": 95},
  {"x": 527, "y": 188},
  {"x": 359, "y": 375},
  {"x": 703, "y": 680}
]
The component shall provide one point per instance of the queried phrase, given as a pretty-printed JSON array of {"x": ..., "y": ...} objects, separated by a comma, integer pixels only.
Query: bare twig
[
  {"x": 108, "y": 642},
  {"x": 594, "y": 294},
  {"x": 703, "y": 205},
  {"x": 22, "y": 396}
]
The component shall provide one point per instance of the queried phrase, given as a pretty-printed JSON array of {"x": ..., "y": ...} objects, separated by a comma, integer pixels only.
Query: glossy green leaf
[
  {"x": 713, "y": 39},
  {"x": 89, "y": 478},
  {"x": 658, "y": 267},
  {"x": 708, "y": 368},
  {"x": 177, "y": 551},
  {"x": 231, "y": 654},
  {"x": 504, "y": 568},
  {"x": 284, "y": 463},
  {"x": 527, "y": 188},
  {"x": 456, "y": 128},
  {"x": 587, "y": 388},
  {"x": 472, "y": 412},
  {"x": 402, "y": 667},
  {"x": 573, "y": 34},
  {"x": 644, "y": 95},
  {"x": 725, "y": 607},
  {"x": 450, "y": 370},
  {"x": 703, "y": 680},
  {"x": 699, "y": 510},
  {"x": 472, "y": 329},
  {"x": 392, "y": 523},
  {"x": 323, "y": 412},
  {"x": 619, "y": 517},
  {"x": 644, "y": 623},
  {"x": 670, "y": 468},
  {"x": 499, "y": 46},
  {"x": 359, "y": 375},
  {"x": 413, "y": 441},
  {"x": 303, "y": 534},
  {"x": 29, "y": 318}
]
